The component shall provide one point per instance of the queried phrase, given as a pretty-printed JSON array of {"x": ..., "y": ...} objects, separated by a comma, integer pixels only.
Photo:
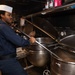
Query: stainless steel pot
[
  {"x": 37, "y": 55},
  {"x": 66, "y": 66}
]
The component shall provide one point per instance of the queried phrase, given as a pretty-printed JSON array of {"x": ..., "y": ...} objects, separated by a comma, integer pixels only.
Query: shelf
[
  {"x": 60, "y": 9},
  {"x": 64, "y": 8},
  {"x": 54, "y": 10}
]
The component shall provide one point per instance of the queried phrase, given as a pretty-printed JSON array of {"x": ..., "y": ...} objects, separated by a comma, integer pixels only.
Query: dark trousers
[{"x": 11, "y": 67}]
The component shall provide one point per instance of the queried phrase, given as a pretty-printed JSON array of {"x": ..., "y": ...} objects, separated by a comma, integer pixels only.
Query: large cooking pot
[
  {"x": 65, "y": 66},
  {"x": 37, "y": 55}
]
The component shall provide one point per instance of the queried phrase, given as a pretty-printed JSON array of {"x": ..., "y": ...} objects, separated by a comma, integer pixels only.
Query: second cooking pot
[{"x": 66, "y": 66}]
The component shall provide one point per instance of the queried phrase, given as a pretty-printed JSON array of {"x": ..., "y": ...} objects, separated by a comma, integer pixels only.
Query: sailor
[{"x": 9, "y": 41}]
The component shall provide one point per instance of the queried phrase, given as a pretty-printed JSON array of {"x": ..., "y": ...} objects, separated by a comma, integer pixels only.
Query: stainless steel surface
[
  {"x": 44, "y": 40},
  {"x": 65, "y": 67},
  {"x": 38, "y": 58},
  {"x": 39, "y": 55}
]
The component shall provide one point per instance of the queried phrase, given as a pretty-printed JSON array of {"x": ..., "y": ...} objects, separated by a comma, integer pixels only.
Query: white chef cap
[{"x": 6, "y": 8}]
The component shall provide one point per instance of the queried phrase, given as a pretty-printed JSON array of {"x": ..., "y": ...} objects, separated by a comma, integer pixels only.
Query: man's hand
[{"x": 32, "y": 40}]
